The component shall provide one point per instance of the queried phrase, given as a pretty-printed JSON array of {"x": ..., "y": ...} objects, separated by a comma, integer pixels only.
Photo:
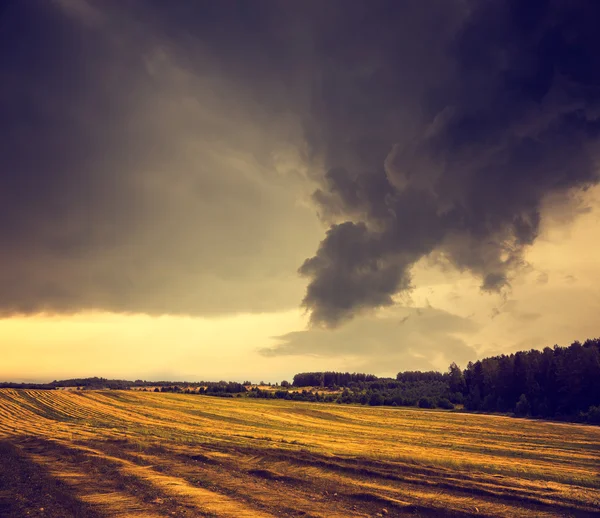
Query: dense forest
[{"x": 560, "y": 383}]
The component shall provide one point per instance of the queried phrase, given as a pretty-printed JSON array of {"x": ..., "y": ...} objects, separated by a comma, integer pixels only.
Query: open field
[{"x": 142, "y": 454}]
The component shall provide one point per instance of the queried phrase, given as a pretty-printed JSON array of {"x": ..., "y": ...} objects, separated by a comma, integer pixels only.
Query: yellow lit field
[{"x": 130, "y": 453}]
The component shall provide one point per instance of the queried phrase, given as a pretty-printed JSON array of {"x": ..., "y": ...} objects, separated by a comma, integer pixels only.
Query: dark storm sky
[{"x": 170, "y": 157}]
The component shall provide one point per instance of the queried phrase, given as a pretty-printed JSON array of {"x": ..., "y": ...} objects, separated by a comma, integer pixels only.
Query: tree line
[
  {"x": 330, "y": 379},
  {"x": 561, "y": 383}
]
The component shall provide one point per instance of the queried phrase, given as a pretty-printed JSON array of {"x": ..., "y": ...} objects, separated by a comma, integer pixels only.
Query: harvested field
[{"x": 130, "y": 453}]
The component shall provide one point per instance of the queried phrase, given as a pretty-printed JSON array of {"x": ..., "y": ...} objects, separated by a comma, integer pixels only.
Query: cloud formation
[
  {"x": 404, "y": 339},
  {"x": 155, "y": 153},
  {"x": 511, "y": 120},
  {"x": 136, "y": 174}
]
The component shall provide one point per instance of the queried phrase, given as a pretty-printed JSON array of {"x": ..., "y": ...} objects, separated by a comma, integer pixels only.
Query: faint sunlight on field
[{"x": 129, "y": 453}]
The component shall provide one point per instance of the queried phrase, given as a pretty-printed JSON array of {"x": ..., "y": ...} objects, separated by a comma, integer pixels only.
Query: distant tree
[
  {"x": 593, "y": 415},
  {"x": 425, "y": 402},
  {"x": 331, "y": 379},
  {"x": 457, "y": 398},
  {"x": 376, "y": 399},
  {"x": 456, "y": 379},
  {"x": 445, "y": 403},
  {"x": 523, "y": 408},
  {"x": 414, "y": 376},
  {"x": 473, "y": 400},
  {"x": 489, "y": 403}
]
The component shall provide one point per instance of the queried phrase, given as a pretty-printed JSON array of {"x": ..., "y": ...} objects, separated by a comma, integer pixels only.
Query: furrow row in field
[
  {"x": 123, "y": 488},
  {"x": 68, "y": 404},
  {"x": 329, "y": 483},
  {"x": 116, "y": 412},
  {"x": 104, "y": 490},
  {"x": 427, "y": 483},
  {"x": 426, "y": 488},
  {"x": 161, "y": 421},
  {"x": 18, "y": 419},
  {"x": 103, "y": 409},
  {"x": 410, "y": 440},
  {"x": 15, "y": 401},
  {"x": 242, "y": 479}
]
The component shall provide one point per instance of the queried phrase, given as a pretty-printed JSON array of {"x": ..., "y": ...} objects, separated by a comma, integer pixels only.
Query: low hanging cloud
[
  {"x": 512, "y": 119},
  {"x": 407, "y": 339}
]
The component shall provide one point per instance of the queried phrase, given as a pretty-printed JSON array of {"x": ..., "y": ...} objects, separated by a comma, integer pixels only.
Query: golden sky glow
[{"x": 104, "y": 344}]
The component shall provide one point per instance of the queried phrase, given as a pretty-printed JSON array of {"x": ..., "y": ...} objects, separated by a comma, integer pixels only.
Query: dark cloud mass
[
  {"x": 513, "y": 121},
  {"x": 137, "y": 175},
  {"x": 153, "y": 152}
]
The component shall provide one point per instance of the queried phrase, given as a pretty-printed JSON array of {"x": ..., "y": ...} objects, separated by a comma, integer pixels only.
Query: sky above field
[{"x": 245, "y": 190}]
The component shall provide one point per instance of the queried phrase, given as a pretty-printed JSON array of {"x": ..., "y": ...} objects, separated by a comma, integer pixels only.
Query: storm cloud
[
  {"x": 137, "y": 175},
  {"x": 156, "y": 155},
  {"x": 512, "y": 120}
]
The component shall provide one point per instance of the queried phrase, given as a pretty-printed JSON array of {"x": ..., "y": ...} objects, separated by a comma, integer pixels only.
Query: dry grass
[{"x": 130, "y": 453}]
